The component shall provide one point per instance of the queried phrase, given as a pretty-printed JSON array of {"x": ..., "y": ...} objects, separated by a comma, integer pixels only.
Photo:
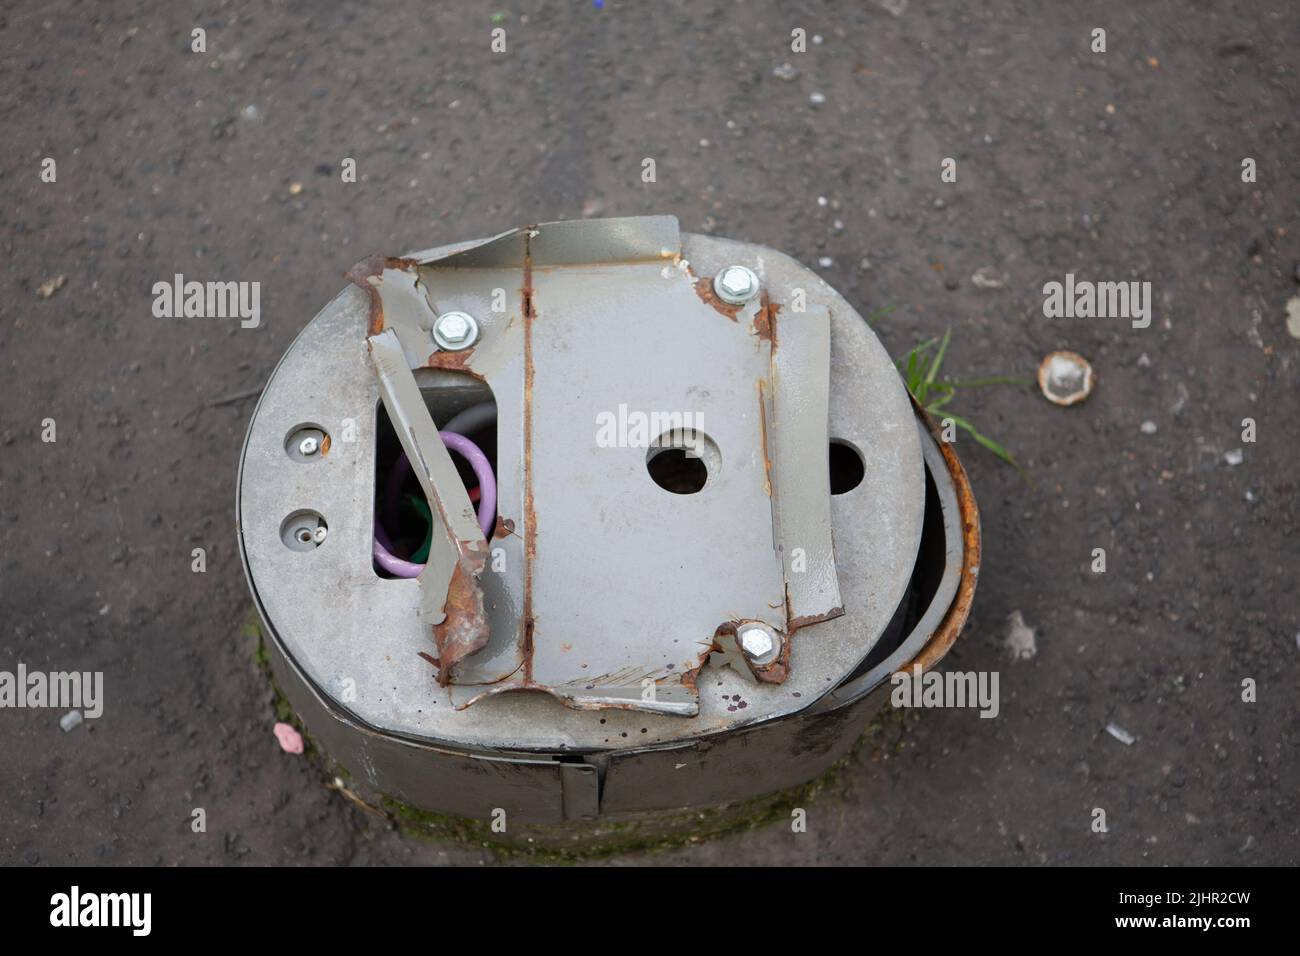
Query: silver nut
[
  {"x": 736, "y": 285},
  {"x": 760, "y": 644},
  {"x": 455, "y": 331},
  {"x": 308, "y": 446},
  {"x": 319, "y": 534}
]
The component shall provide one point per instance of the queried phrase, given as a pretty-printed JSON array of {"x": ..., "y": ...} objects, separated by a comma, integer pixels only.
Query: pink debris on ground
[{"x": 290, "y": 739}]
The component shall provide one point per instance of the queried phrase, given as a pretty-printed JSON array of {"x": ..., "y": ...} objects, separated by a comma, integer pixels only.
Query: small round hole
[
  {"x": 847, "y": 470},
  {"x": 307, "y": 443},
  {"x": 676, "y": 471},
  {"x": 683, "y": 460},
  {"x": 303, "y": 531}
]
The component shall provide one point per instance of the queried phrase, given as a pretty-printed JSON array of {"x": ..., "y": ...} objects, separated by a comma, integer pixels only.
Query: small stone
[
  {"x": 785, "y": 72},
  {"x": 817, "y": 99},
  {"x": 1021, "y": 642},
  {"x": 1120, "y": 734},
  {"x": 295, "y": 189},
  {"x": 1293, "y": 317},
  {"x": 70, "y": 720},
  {"x": 989, "y": 278},
  {"x": 826, "y": 262},
  {"x": 1234, "y": 457},
  {"x": 1148, "y": 427},
  {"x": 50, "y": 286}
]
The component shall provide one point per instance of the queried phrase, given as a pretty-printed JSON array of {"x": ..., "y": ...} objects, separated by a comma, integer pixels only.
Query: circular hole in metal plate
[
  {"x": 847, "y": 469},
  {"x": 303, "y": 530},
  {"x": 307, "y": 442},
  {"x": 683, "y": 460}
]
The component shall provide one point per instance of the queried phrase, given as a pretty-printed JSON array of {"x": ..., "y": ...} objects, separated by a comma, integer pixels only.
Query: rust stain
[
  {"x": 777, "y": 671},
  {"x": 505, "y": 527},
  {"x": 465, "y": 629},
  {"x": 530, "y": 512},
  {"x": 704, "y": 289},
  {"x": 765, "y": 320},
  {"x": 798, "y": 622},
  {"x": 794, "y": 623},
  {"x": 946, "y": 633},
  {"x": 454, "y": 362},
  {"x": 360, "y": 276},
  {"x": 690, "y": 677},
  {"x": 762, "y": 426},
  {"x": 774, "y": 672},
  {"x": 325, "y": 446}
]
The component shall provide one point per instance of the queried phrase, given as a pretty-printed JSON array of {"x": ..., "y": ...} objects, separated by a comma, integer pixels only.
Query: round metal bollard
[{"x": 717, "y": 524}]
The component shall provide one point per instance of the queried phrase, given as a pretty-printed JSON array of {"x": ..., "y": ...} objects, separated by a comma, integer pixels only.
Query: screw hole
[
  {"x": 303, "y": 531},
  {"x": 307, "y": 443}
]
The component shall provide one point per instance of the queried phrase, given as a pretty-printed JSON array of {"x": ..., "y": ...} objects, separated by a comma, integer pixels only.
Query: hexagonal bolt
[
  {"x": 760, "y": 643},
  {"x": 736, "y": 285},
  {"x": 455, "y": 331}
]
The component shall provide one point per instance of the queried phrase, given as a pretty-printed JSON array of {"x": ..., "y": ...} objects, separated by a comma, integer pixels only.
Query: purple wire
[
  {"x": 487, "y": 501},
  {"x": 390, "y": 562}
]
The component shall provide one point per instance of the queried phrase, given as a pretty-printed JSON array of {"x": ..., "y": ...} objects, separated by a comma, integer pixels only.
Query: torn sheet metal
[
  {"x": 450, "y": 598},
  {"x": 577, "y": 319},
  {"x": 798, "y": 438},
  {"x": 611, "y": 612}
]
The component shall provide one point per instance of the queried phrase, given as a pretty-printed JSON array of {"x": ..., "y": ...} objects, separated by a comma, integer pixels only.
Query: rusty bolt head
[
  {"x": 308, "y": 446},
  {"x": 455, "y": 331},
  {"x": 736, "y": 285},
  {"x": 760, "y": 643}
]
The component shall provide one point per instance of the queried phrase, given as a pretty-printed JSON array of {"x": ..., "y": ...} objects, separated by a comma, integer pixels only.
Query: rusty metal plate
[{"x": 589, "y": 560}]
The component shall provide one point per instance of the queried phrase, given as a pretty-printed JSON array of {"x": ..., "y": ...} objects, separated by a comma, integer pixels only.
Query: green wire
[{"x": 419, "y": 504}]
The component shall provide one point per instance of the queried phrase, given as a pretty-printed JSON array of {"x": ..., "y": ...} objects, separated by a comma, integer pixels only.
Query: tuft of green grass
[{"x": 920, "y": 370}]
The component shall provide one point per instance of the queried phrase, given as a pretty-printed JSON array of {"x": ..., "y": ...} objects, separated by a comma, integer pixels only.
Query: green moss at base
[{"x": 577, "y": 842}]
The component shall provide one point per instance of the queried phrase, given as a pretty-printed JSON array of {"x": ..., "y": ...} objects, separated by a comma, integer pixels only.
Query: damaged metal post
[{"x": 671, "y": 575}]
